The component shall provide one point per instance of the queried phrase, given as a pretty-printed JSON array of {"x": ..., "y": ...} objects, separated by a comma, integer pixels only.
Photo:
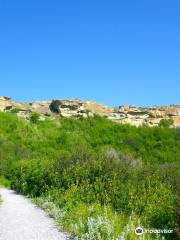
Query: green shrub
[
  {"x": 15, "y": 110},
  {"x": 34, "y": 118},
  {"x": 4, "y": 182},
  {"x": 166, "y": 123}
]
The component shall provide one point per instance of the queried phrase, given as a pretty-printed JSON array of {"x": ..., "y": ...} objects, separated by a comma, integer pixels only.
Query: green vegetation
[
  {"x": 15, "y": 110},
  {"x": 166, "y": 123},
  {"x": 34, "y": 118},
  {"x": 98, "y": 179},
  {"x": 4, "y": 182}
]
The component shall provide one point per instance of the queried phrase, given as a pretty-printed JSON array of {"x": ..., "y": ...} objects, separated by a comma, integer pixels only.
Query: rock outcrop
[
  {"x": 133, "y": 115},
  {"x": 5, "y": 103}
]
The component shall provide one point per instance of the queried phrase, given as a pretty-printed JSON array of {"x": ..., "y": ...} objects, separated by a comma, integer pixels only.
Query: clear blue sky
[{"x": 114, "y": 52}]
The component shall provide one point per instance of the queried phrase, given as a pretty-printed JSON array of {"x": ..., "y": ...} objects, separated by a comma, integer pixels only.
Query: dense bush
[
  {"x": 34, "y": 118},
  {"x": 166, "y": 122},
  {"x": 73, "y": 165}
]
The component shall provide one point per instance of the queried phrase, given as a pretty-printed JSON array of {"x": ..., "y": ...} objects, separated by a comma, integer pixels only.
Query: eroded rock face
[
  {"x": 133, "y": 115},
  {"x": 78, "y": 108},
  {"x": 66, "y": 108},
  {"x": 41, "y": 107},
  {"x": 5, "y": 103}
]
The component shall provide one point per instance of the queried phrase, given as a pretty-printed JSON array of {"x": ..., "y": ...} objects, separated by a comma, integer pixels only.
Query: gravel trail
[{"x": 21, "y": 220}]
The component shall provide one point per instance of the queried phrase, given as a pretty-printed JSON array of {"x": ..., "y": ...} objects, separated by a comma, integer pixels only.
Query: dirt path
[{"x": 21, "y": 220}]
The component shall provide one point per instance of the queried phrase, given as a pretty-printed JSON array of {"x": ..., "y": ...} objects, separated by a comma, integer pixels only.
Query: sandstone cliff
[{"x": 137, "y": 116}]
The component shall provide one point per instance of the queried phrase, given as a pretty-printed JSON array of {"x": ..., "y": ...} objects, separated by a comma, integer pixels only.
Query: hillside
[
  {"x": 94, "y": 176},
  {"x": 133, "y": 115}
]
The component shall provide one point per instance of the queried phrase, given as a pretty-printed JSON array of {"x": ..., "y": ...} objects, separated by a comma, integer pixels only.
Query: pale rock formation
[
  {"x": 5, "y": 103},
  {"x": 77, "y": 108}
]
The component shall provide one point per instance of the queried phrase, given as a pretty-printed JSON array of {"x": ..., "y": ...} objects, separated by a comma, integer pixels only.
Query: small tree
[
  {"x": 34, "y": 118},
  {"x": 166, "y": 123}
]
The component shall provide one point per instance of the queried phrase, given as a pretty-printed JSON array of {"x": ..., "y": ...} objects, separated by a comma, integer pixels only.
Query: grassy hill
[{"x": 98, "y": 179}]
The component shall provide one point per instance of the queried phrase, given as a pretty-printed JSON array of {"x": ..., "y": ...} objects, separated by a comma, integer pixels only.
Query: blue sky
[{"x": 114, "y": 52}]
